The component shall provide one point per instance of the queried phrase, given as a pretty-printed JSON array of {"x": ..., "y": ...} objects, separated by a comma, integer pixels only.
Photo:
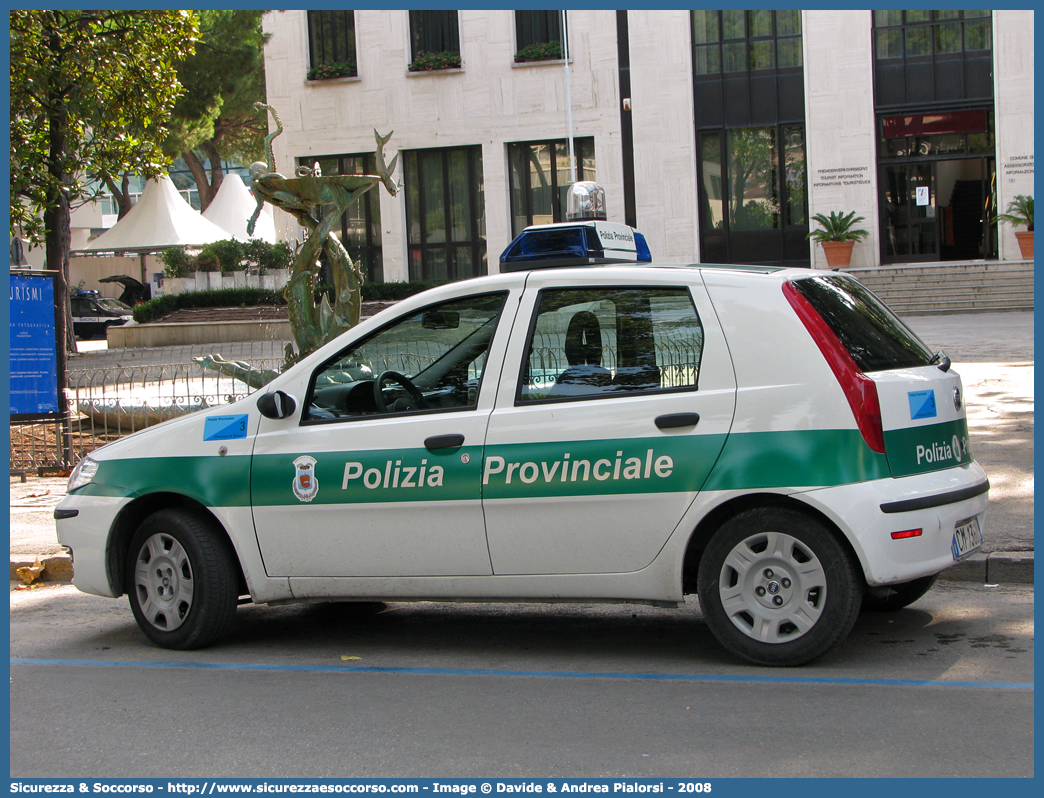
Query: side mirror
[{"x": 276, "y": 404}]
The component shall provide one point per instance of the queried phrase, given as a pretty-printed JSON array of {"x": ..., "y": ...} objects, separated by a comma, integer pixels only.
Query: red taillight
[
  {"x": 859, "y": 389},
  {"x": 909, "y": 533}
]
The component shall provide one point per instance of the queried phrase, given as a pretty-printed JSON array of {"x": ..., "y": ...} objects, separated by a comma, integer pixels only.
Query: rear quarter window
[{"x": 874, "y": 336}]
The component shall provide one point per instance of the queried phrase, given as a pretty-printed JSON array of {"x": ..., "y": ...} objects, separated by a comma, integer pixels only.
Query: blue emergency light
[{"x": 586, "y": 239}]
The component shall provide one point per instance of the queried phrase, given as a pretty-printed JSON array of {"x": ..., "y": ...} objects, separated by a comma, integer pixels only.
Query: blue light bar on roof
[{"x": 589, "y": 243}]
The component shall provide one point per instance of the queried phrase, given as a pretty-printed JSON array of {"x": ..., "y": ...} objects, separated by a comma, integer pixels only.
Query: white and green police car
[{"x": 773, "y": 440}]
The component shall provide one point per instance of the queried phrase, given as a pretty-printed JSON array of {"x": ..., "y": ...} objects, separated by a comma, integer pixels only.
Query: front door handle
[
  {"x": 672, "y": 420},
  {"x": 443, "y": 442}
]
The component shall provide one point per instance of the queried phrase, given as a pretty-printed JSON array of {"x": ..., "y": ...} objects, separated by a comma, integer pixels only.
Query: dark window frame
[
  {"x": 912, "y": 71},
  {"x": 476, "y": 240},
  {"x": 434, "y": 32},
  {"x": 714, "y": 47},
  {"x": 584, "y": 146},
  {"x": 539, "y": 27},
  {"x": 331, "y": 38},
  {"x": 370, "y": 256}
]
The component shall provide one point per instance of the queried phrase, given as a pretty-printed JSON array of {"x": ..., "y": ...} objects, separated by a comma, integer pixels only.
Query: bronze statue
[{"x": 306, "y": 197}]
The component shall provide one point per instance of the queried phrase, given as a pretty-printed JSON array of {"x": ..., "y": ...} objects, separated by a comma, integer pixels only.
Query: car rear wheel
[
  {"x": 777, "y": 588},
  {"x": 181, "y": 580},
  {"x": 888, "y": 598}
]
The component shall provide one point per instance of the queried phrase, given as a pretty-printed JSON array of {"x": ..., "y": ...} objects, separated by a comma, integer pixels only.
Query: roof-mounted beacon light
[
  {"x": 587, "y": 239},
  {"x": 585, "y": 202}
]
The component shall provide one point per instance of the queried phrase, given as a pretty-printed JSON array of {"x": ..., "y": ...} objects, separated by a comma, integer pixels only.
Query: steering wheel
[{"x": 409, "y": 387}]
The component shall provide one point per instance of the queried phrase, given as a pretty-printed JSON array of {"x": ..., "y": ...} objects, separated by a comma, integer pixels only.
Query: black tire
[
  {"x": 793, "y": 594},
  {"x": 889, "y": 598},
  {"x": 181, "y": 580}
]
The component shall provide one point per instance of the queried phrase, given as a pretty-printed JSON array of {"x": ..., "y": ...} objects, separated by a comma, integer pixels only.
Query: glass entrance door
[{"x": 938, "y": 210}]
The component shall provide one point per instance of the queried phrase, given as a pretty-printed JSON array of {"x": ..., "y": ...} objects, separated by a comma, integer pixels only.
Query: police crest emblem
[{"x": 306, "y": 486}]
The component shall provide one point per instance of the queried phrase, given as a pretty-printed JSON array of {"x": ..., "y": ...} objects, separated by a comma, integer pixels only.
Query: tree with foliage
[
  {"x": 215, "y": 118},
  {"x": 91, "y": 93}
]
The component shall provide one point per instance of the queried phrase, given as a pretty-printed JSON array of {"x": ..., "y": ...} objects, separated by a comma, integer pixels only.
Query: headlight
[{"x": 82, "y": 474}]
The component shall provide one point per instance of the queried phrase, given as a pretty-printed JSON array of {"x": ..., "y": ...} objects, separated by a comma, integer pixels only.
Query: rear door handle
[
  {"x": 443, "y": 442},
  {"x": 672, "y": 420}
]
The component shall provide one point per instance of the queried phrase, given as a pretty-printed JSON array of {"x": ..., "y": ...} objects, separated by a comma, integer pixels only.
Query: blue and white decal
[
  {"x": 225, "y": 428},
  {"x": 922, "y": 405}
]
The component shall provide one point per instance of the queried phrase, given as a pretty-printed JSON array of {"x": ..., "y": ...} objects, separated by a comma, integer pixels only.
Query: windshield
[{"x": 114, "y": 305}]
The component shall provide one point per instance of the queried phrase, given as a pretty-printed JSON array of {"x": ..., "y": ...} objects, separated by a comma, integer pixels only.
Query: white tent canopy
[
  {"x": 233, "y": 207},
  {"x": 159, "y": 219}
]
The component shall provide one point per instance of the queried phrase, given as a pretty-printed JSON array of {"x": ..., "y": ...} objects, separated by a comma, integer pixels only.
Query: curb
[
  {"x": 57, "y": 568},
  {"x": 998, "y": 567}
]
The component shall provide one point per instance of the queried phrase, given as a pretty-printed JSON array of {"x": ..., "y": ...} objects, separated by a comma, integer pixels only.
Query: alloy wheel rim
[
  {"x": 772, "y": 587},
  {"x": 163, "y": 582}
]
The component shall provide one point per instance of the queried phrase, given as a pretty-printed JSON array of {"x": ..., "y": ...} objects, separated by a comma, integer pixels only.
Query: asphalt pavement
[{"x": 993, "y": 353}]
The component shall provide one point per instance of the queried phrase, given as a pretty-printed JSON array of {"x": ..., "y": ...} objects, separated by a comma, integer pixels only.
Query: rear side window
[
  {"x": 594, "y": 342},
  {"x": 873, "y": 335}
]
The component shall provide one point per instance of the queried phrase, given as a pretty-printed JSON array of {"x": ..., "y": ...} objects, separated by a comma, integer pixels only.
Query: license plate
[{"x": 967, "y": 538}]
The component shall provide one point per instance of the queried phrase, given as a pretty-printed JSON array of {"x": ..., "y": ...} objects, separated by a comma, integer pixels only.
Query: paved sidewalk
[{"x": 993, "y": 352}]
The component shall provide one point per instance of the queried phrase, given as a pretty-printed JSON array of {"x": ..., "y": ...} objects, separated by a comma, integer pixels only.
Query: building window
[
  {"x": 434, "y": 40},
  {"x": 538, "y": 35},
  {"x": 745, "y": 41},
  {"x": 748, "y": 83},
  {"x": 331, "y": 44},
  {"x": 932, "y": 56},
  {"x": 445, "y": 213},
  {"x": 360, "y": 228},
  {"x": 540, "y": 179}
]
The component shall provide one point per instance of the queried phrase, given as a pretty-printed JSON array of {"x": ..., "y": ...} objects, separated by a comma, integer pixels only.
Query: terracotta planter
[
  {"x": 1025, "y": 238},
  {"x": 838, "y": 253}
]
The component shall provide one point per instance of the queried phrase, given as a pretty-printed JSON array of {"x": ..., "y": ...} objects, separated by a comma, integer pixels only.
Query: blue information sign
[{"x": 34, "y": 362}]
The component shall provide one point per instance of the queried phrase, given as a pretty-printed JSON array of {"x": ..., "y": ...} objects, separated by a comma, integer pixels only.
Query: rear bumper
[{"x": 935, "y": 503}]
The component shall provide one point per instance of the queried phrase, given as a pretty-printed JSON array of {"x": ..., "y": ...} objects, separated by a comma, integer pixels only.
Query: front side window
[
  {"x": 596, "y": 342},
  {"x": 445, "y": 213},
  {"x": 540, "y": 179},
  {"x": 432, "y": 360},
  {"x": 331, "y": 44}
]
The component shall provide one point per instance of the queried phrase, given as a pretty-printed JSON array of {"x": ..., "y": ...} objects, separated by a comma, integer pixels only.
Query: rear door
[{"x": 616, "y": 398}]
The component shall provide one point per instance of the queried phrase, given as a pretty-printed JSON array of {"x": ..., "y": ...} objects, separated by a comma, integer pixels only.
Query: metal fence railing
[{"x": 112, "y": 393}]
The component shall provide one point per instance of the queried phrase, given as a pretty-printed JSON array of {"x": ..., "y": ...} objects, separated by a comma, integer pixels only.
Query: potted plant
[
  {"x": 543, "y": 51},
  {"x": 1020, "y": 211},
  {"x": 328, "y": 70},
  {"x": 429, "y": 62},
  {"x": 837, "y": 236}
]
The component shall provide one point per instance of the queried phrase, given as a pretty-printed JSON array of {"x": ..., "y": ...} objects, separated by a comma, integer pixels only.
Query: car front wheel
[
  {"x": 181, "y": 580},
  {"x": 777, "y": 588}
]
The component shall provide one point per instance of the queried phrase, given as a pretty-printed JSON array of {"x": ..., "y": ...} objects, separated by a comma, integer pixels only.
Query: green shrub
[
  {"x": 332, "y": 69},
  {"x": 224, "y": 298},
  {"x": 228, "y": 253},
  {"x": 544, "y": 51},
  {"x": 267, "y": 257},
  {"x": 252, "y": 297},
  {"x": 176, "y": 262},
  {"x": 426, "y": 62}
]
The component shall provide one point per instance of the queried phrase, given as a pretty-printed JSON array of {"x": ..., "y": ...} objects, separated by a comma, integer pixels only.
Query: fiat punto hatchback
[{"x": 776, "y": 441}]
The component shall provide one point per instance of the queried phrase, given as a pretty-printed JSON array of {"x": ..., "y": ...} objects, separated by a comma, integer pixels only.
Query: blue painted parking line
[{"x": 662, "y": 677}]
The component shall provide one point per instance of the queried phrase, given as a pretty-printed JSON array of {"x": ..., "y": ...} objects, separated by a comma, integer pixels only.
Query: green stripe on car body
[{"x": 663, "y": 464}]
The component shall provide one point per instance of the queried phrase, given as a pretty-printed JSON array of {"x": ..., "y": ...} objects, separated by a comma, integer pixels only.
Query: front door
[{"x": 381, "y": 474}]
